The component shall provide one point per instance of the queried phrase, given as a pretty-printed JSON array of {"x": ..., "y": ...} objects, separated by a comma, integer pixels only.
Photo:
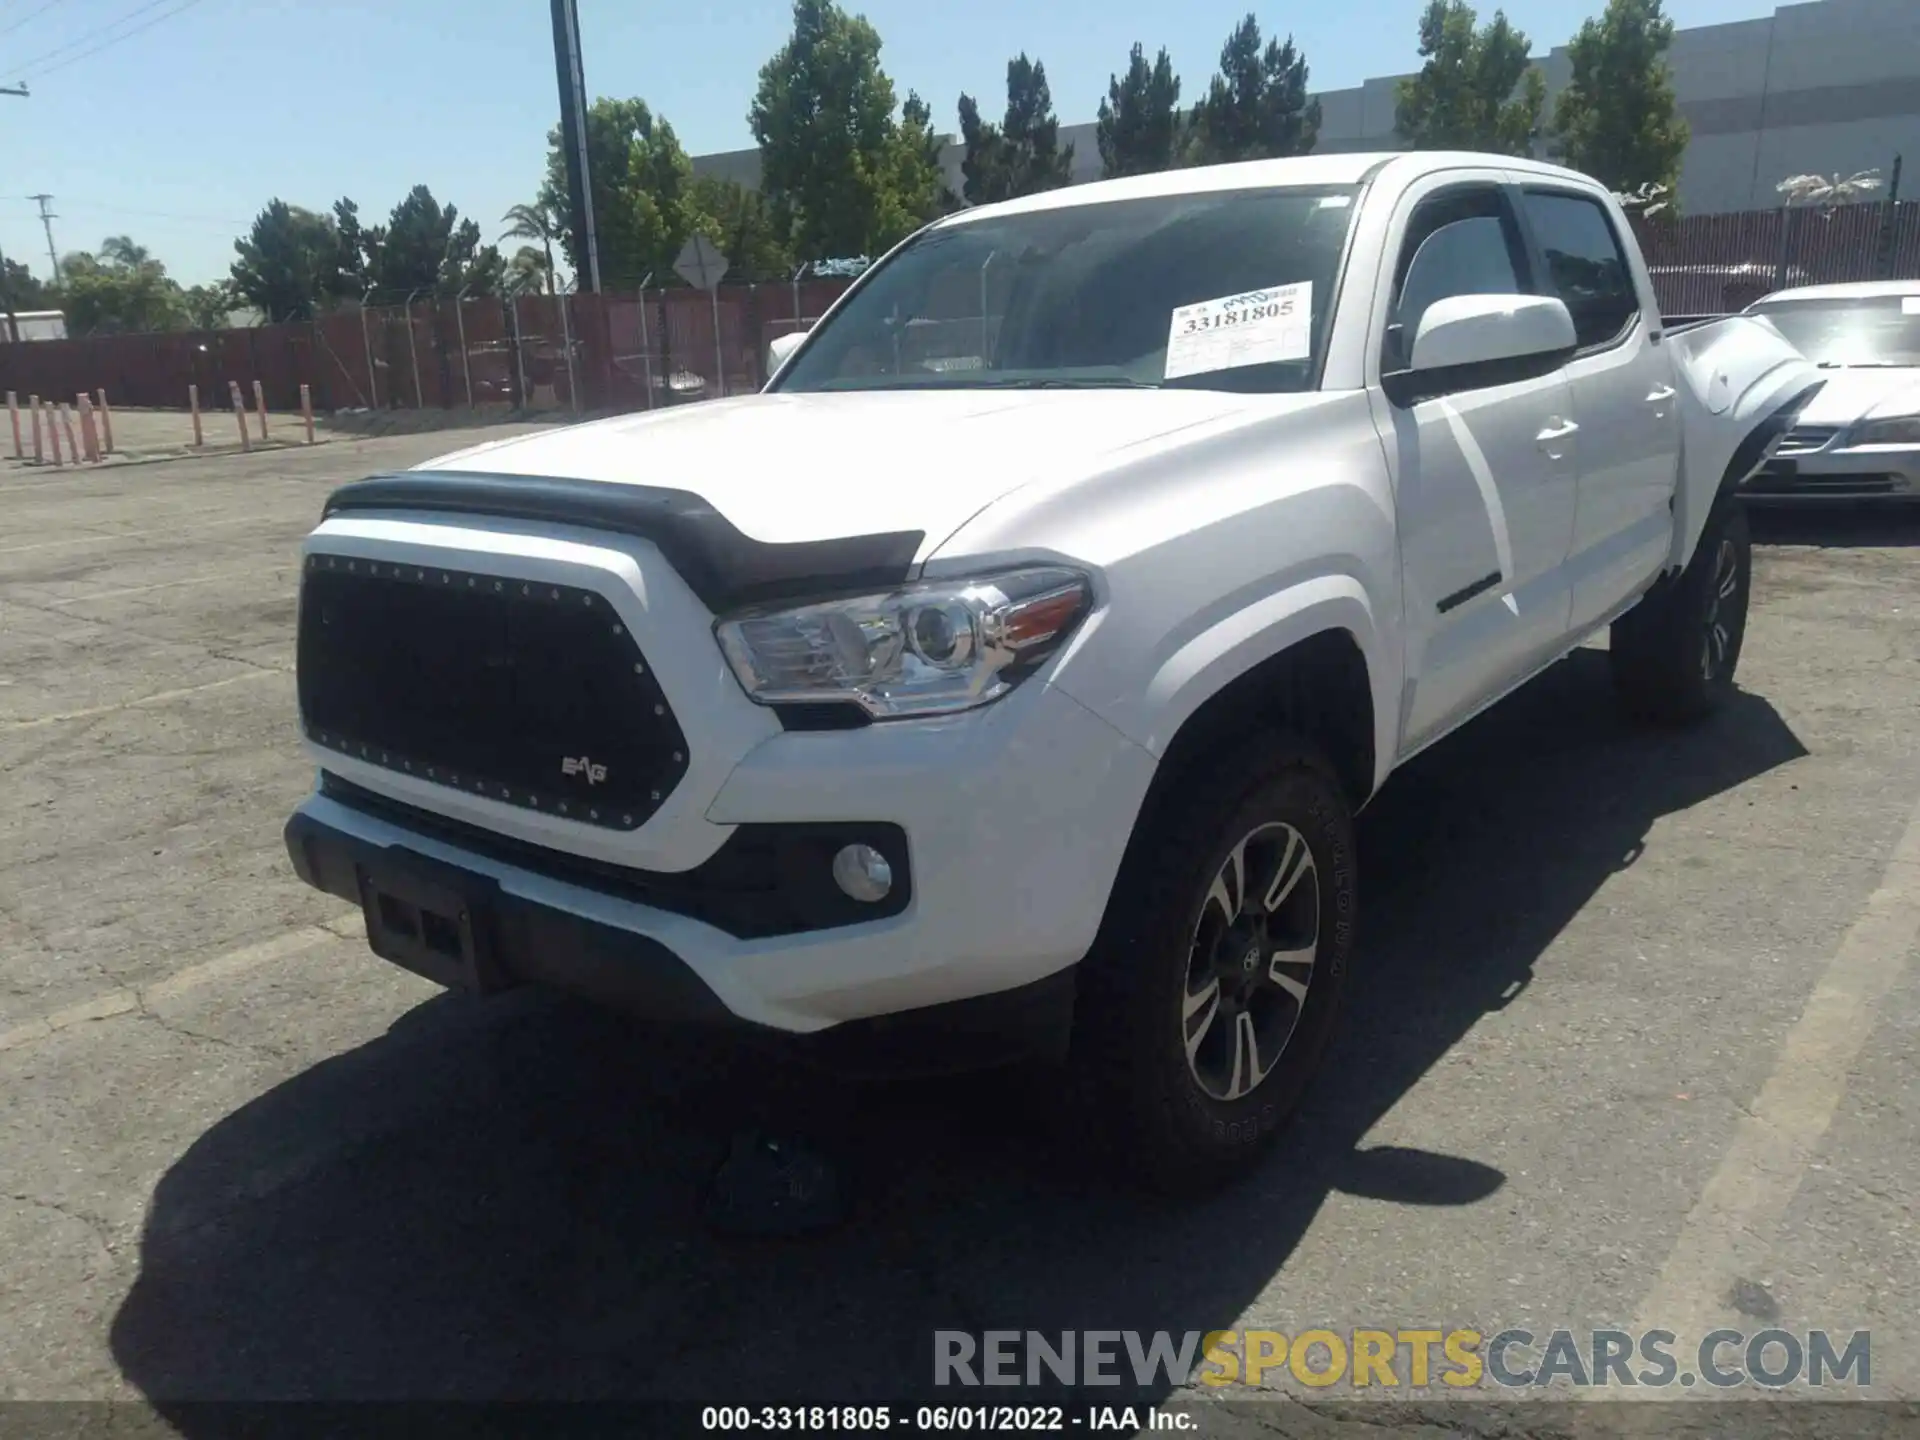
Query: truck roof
[{"x": 1302, "y": 170}]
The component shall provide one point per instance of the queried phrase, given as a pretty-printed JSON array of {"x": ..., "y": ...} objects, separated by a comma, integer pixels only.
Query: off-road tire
[
  {"x": 1674, "y": 654},
  {"x": 1130, "y": 1051}
]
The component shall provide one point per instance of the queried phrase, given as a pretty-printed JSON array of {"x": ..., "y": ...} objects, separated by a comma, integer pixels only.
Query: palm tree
[
  {"x": 529, "y": 271},
  {"x": 120, "y": 250},
  {"x": 533, "y": 222}
]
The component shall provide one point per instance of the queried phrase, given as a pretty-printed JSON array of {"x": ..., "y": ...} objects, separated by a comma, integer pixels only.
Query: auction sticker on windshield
[{"x": 1252, "y": 328}]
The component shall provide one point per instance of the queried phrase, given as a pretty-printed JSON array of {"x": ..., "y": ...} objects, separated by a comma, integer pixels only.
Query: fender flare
[{"x": 1234, "y": 644}]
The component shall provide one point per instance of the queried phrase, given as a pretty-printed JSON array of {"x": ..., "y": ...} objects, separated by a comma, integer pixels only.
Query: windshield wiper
[
  {"x": 1078, "y": 382},
  {"x": 1862, "y": 365}
]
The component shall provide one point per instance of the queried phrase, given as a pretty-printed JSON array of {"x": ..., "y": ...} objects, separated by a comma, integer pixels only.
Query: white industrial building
[{"x": 1827, "y": 86}]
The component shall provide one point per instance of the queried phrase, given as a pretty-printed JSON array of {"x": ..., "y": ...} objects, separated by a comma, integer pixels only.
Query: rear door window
[{"x": 1586, "y": 265}]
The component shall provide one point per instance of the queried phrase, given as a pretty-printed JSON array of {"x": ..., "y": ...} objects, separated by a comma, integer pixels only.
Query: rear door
[{"x": 1623, "y": 397}]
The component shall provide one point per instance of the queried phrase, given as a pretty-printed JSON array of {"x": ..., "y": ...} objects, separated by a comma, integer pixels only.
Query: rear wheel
[
  {"x": 1209, "y": 1000},
  {"x": 1674, "y": 654}
]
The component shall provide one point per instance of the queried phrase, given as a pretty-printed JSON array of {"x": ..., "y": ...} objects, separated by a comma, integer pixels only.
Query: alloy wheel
[
  {"x": 1252, "y": 961},
  {"x": 1718, "y": 640}
]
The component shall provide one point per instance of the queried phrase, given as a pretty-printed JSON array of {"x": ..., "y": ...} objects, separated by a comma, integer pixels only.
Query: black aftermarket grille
[{"x": 528, "y": 693}]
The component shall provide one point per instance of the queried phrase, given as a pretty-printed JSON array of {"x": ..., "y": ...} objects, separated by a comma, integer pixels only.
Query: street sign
[{"x": 701, "y": 264}]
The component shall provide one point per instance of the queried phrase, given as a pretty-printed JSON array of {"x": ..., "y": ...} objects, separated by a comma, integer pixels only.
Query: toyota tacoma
[{"x": 1004, "y": 677}]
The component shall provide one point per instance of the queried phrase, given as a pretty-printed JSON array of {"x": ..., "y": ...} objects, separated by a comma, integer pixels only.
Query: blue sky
[{"x": 180, "y": 132}]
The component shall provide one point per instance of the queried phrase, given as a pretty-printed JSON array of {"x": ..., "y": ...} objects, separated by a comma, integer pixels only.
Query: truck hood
[
  {"x": 1867, "y": 393},
  {"x": 788, "y": 468}
]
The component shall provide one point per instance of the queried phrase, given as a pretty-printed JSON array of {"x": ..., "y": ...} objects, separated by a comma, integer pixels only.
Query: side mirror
[
  {"x": 1467, "y": 342},
  {"x": 780, "y": 348}
]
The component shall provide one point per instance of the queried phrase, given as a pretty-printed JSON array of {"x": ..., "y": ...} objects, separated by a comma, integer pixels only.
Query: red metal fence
[
  {"x": 578, "y": 352},
  {"x": 1707, "y": 264},
  {"x": 637, "y": 350}
]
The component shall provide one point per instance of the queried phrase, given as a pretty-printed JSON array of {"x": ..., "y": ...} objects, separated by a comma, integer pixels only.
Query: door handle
[
  {"x": 1557, "y": 429},
  {"x": 1659, "y": 394}
]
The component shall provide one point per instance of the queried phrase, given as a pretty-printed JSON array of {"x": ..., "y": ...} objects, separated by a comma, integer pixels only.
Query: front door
[{"x": 1485, "y": 478}]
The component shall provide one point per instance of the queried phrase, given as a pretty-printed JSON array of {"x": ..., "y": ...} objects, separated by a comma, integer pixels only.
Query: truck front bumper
[{"x": 1011, "y": 828}]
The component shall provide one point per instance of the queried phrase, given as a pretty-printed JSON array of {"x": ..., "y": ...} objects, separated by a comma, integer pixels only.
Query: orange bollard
[
  {"x": 260, "y": 404},
  {"x": 13, "y": 409},
  {"x": 240, "y": 414},
  {"x": 306, "y": 410},
  {"x": 89, "y": 431},
  {"x": 33, "y": 413},
  {"x": 193, "y": 404},
  {"x": 53, "y": 433},
  {"x": 66, "y": 423},
  {"x": 106, "y": 420}
]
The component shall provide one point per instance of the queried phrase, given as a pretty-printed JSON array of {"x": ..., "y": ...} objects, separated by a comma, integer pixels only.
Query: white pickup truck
[{"x": 1005, "y": 677}]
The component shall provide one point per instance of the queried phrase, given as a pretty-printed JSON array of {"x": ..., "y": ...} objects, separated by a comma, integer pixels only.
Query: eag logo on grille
[{"x": 576, "y": 765}]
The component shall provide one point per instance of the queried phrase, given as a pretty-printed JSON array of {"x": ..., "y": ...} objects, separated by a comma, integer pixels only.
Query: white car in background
[{"x": 1859, "y": 438}]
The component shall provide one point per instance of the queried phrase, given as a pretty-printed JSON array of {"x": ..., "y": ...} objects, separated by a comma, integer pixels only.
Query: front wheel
[
  {"x": 1210, "y": 997},
  {"x": 1674, "y": 654}
]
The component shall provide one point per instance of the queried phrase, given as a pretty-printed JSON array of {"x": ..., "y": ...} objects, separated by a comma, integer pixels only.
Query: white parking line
[
  {"x": 278, "y": 572},
  {"x": 1728, "y": 1234},
  {"x": 186, "y": 522},
  {"x": 259, "y": 673},
  {"x": 221, "y": 967}
]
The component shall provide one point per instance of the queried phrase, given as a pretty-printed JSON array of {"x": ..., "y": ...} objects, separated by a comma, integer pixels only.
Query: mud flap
[{"x": 1740, "y": 386}]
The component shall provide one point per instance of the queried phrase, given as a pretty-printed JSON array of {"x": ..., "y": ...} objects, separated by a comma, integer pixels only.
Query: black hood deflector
[{"x": 726, "y": 569}]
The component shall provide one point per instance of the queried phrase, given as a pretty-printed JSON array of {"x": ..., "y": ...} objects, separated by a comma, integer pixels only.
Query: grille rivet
[
  {"x": 429, "y": 772},
  {"x": 352, "y": 566},
  {"x": 563, "y": 807},
  {"x": 626, "y": 819},
  {"x": 419, "y": 574},
  {"x": 505, "y": 793},
  {"x": 659, "y": 709},
  {"x": 639, "y": 669},
  {"x": 555, "y": 594},
  {"x": 593, "y": 814},
  {"x": 445, "y": 579},
  {"x": 618, "y": 631},
  {"x": 407, "y": 765},
  {"x": 586, "y": 599},
  {"x": 526, "y": 589},
  {"x": 498, "y": 586},
  {"x": 655, "y": 795},
  {"x": 678, "y": 758}
]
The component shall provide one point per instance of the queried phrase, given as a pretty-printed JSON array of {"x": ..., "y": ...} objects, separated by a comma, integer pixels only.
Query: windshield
[
  {"x": 1218, "y": 291},
  {"x": 1881, "y": 331}
]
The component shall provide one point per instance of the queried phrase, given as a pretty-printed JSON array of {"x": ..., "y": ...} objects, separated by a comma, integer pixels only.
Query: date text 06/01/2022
[{"x": 927, "y": 1419}]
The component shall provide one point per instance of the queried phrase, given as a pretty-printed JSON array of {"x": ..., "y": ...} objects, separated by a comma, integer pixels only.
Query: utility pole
[
  {"x": 47, "y": 217},
  {"x": 573, "y": 138}
]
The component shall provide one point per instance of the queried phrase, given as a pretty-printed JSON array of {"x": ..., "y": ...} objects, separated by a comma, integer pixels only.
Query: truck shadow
[{"x": 499, "y": 1201}]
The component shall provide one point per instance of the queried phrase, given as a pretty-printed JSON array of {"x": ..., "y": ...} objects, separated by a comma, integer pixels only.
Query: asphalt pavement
[{"x": 1629, "y": 1045}]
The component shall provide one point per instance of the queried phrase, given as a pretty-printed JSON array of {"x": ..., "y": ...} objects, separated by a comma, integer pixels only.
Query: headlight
[
  {"x": 1901, "y": 430},
  {"x": 925, "y": 650}
]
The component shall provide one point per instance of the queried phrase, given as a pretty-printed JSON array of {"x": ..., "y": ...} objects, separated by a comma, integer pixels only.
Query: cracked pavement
[{"x": 242, "y": 1158}]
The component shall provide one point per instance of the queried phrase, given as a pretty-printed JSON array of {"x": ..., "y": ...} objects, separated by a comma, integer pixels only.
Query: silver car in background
[{"x": 1859, "y": 438}]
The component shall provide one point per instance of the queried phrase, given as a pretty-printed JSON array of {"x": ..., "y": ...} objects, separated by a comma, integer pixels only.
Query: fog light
[{"x": 862, "y": 873}]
